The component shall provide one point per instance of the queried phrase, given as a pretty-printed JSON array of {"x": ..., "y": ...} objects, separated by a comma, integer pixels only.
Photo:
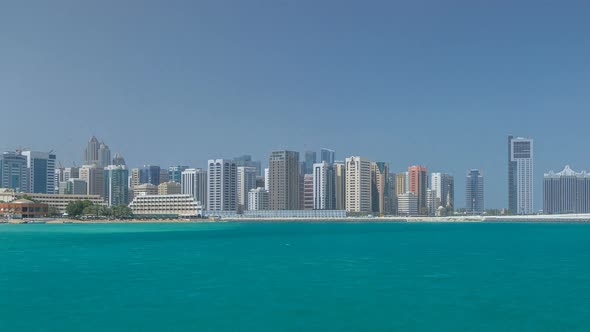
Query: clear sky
[{"x": 438, "y": 83}]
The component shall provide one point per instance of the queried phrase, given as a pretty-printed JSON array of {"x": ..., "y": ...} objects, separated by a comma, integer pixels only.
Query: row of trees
[{"x": 77, "y": 209}]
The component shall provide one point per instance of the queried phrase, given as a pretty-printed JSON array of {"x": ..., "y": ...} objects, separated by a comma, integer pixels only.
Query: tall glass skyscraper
[
  {"x": 149, "y": 174},
  {"x": 41, "y": 172},
  {"x": 14, "y": 173},
  {"x": 520, "y": 175},
  {"x": 474, "y": 192},
  {"x": 327, "y": 155},
  {"x": 116, "y": 185},
  {"x": 310, "y": 159}
]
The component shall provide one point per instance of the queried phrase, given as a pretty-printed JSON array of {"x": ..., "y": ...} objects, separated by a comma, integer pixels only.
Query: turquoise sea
[{"x": 295, "y": 277}]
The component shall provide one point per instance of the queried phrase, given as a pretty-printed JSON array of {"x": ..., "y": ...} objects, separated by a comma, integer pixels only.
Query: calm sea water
[{"x": 295, "y": 277}]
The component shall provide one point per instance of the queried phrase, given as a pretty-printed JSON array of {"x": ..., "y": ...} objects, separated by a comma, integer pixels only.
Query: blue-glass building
[
  {"x": 149, "y": 174},
  {"x": 14, "y": 173},
  {"x": 175, "y": 173}
]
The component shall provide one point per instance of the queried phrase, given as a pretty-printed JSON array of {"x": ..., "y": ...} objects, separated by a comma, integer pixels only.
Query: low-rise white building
[{"x": 165, "y": 206}]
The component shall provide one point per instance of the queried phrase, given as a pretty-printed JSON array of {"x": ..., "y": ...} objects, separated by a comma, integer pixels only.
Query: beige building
[
  {"x": 400, "y": 184},
  {"x": 358, "y": 185},
  {"x": 144, "y": 189},
  {"x": 169, "y": 188},
  {"x": 340, "y": 170},
  {"x": 134, "y": 178},
  {"x": 60, "y": 202},
  {"x": 168, "y": 206},
  {"x": 283, "y": 178},
  {"x": 95, "y": 180}
]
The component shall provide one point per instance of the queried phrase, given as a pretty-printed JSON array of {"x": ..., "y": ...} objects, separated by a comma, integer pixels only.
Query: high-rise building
[
  {"x": 310, "y": 159},
  {"x": 327, "y": 155},
  {"x": 135, "y": 177},
  {"x": 150, "y": 174},
  {"x": 104, "y": 155},
  {"x": 116, "y": 185},
  {"x": 95, "y": 179},
  {"x": 358, "y": 185},
  {"x": 91, "y": 152},
  {"x": 118, "y": 160},
  {"x": 169, "y": 188},
  {"x": 418, "y": 183},
  {"x": 520, "y": 175},
  {"x": 41, "y": 171},
  {"x": 266, "y": 179},
  {"x": 246, "y": 181},
  {"x": 221, "y": 185},
  {"x": 407, "y": 204},
  {"x": 14, "y": 173},
  {"x": 73, "y": 187},
  {"x": 246, "y": 160},
  {"x": 258, "y": 199},
  {"x": 474, "y": 192},
  {"x": 284, "y": 180},
  {"x": 307, "y": 192},
  {"x": 400, "y": 183},
  {"x": 175, "y": 173},
  {"x": 444, "y": 187},
  {"x": 324, "y": 186},
  {"x": 71, "y": 173},
  {"x": 163, "y": 175},
  {"x": 381, "y": 203},
  {"x": 566, "y": 192},
  {"x": 194, "y": 184},
  {"x": 431, "y": 202},
  {"x": 340, "y": 185}
]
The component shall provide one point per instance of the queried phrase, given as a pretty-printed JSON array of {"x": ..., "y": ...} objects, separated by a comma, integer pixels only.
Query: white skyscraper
[
  {"x": 221, "y": 185},
  {"x": 324, "y": 186},
  {"x": 266, "y": 179},
  {"x": 246, "y": 181},
  {"x": 520, "y": 175},
  {"x": 194, "y": 184},
  {"x": 358, "y": 185}
]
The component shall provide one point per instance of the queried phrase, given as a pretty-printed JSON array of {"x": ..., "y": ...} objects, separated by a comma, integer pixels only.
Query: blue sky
[{"x": 438, "y": 83}]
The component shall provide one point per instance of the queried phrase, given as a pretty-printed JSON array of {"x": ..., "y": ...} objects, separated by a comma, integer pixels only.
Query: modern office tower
[
  {"x": 358, "y": 185},
  {"x": 520, "y": 175},
  {"x": 381, "y": 203},
  {"x": 400, "y": 184},
  {"x": 266, "y": 179},
  {"x": 150, "y": 174},
  {"x": 221, "y": 185},
  {"x": 327, "y": 155},
  {"x": 310, "y": 159},
  {"x": 340, "y": 185},
  {"x": 246, "y": 181},
  {"x": 474, "y": 190},
  {"x": 116, "y": 185},
  {"x": 431, "y": 202},
  {"x": 259, "y": 182},
  {"x": 14, "y": 173},
  {"x": 41, "y": 171},
  {"x": 95, "y": 179},
  {"x": 146, "y": 189},
  {"x": 418, "y": 183},
  {"x": 118, "y": 160},
  {"x": 392, "y": 194},
  {"x": 407, "y": 204},
  {"x": 71, "y": 173},
  {"x": 566, "y": 192},
  {"x": 135, "y": 177},
  {"x": 91, "y": 152},
  {"x": 194, "y": 184},
  {"x": 283, "y": 178},
  {"x": 258, "y": 199},
  {"x": 73, "y": 187},
  {"x": 246, "y": 160},
  {"x": 307, "y": 192},
  {"x": 444, "y": 187},
  {"x": 104, "y": 155},
  {"x": 175, "y": 173},
  {"x": 324, "y": 186},
  {"x": 169, "y": 188}
]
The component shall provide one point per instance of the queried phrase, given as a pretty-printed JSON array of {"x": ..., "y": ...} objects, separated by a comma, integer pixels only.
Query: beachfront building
[
  {"x": 418, "y": 184},
  {"x": 14, "y": 173},
  {"x": 520, "y": 175},
  {"x": 41, "y": 167},
  {"x": 474, "y": 192},
  {"x": 246, "y": 181},
  {"x": 283, "y": 180},
  {"x": 221, "y": 185},
  {"x": 194, "y": 183},
  {"x": 116, "y": 185},
  {"x": 443, "y": 185},
  {"x": 60, "y": 202},
  {"x": 165, "y": 206},
  {"x": 358, "y": 185},
  {"x": 431, "y": 202},
  {"x": 258, "y": 199},
  {"x": 307, "y": 197},
  {"x": 23, "y": 208},
  {"x": 407, "y": 204},
  {"x": 566, "y": 192},
  {"x": 324, "y": 186},
  {"x": 295, "y": 214},
  {"x": 340, "y": 185}
]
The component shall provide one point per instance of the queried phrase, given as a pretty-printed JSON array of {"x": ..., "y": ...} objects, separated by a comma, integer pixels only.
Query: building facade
[
  {"x": 116, "y": 185},
  {"x": 474, "y": 192},
  {"x": 14, "y": 173},
  {"x": 358, "y": 185},
  {"x": 340, "y": 185},
  {"x": 566, "y": 192},
  {"x": 443, "y": 185},
  {"x": 175, "y": 173},
  {"x": 245, "y": 182},
  {"x": 324, "y": 186},
  {"x": 165, "y": 206},
  {"x": 150, "y": 174},
  {"x": 327, "y": 155},
  {"x": 380, "y": 187},
  {"x": 283, "y": 180},
  {"x": 407, "y": 204},
  {"x": 418, "y": 184},
  {"x": 194, "y": 184},
  {"x": 222, "y": 185},
  {"x": 95, "y": 179},
  {"x": 41, "y": 167},
  {"x": 520, "y": 175},
  {"x": 258, "y": 199}
]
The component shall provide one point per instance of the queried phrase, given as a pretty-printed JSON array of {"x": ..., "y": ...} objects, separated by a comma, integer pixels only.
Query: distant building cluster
[{"x": 291, "y": 182}]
